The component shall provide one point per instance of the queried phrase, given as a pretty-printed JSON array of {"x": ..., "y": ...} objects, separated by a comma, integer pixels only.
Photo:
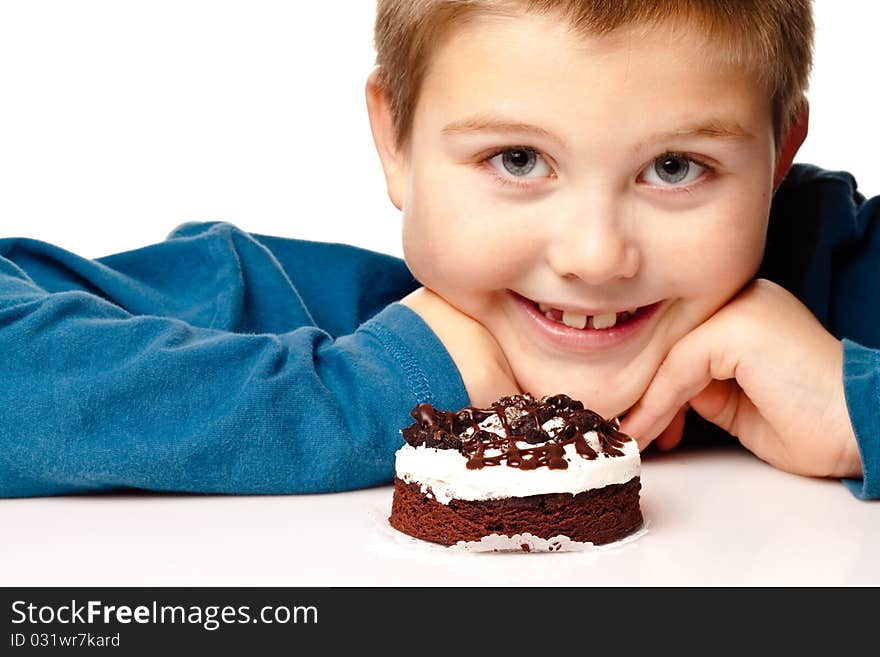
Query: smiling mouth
[
  {"x": 579, "y": 321},
  {"x": 574, "y": 329},
  {"x": 576, "y": 320}
]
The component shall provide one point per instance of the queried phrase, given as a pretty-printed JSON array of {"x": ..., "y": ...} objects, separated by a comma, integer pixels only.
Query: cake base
[{"x": 597, "y": 516}]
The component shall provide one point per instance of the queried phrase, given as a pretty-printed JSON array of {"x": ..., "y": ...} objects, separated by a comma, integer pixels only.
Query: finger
[
  {"x": 719, "y": 403},
  {"x": 671, "y": 435},
  {"x": 725, "y": 404},
  {"x": 690, "y": 366}
]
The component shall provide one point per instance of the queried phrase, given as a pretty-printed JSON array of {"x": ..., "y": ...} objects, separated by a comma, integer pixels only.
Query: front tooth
[
  {"x": 574, "y": 320},
  {"x": 604, "y": 321},
  {"x": 549, "y": 315},
  {"x": 544, "y": 308}
]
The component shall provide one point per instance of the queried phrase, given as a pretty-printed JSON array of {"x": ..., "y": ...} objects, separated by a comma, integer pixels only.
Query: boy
[{"x": 585, "y": 189}]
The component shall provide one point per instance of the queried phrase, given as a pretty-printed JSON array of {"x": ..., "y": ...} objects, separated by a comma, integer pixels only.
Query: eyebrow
[
  {"x": 492, "y": 123},
  {"x": 715, "y": 128}
]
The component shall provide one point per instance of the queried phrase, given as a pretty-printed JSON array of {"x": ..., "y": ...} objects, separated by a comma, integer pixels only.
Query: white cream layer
[{"x": 444, "y": 473}]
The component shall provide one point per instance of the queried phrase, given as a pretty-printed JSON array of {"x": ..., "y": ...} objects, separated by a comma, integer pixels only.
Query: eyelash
[
  {"x": 709, "y": 172},
  {"x": 503, "y": 180},
  {"x": 522, "y": 184}
]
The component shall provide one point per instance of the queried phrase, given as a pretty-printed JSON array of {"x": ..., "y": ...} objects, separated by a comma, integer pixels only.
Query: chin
[{"x": 607, "y": 398}]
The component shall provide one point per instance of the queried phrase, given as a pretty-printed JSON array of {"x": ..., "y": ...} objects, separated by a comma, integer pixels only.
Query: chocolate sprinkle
[{"x": 521, "y": 418}]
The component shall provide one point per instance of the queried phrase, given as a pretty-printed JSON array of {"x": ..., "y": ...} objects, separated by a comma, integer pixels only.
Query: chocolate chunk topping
[{"x": 520, "y": 418}]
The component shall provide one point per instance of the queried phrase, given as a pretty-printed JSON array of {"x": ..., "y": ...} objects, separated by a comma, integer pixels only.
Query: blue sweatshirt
[{"x": 225, "y": 362}]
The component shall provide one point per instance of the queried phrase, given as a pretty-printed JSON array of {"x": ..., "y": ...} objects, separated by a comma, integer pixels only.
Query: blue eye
[
  {"x": 673, "y": 169},
  {"x": 519, "y": 162}
]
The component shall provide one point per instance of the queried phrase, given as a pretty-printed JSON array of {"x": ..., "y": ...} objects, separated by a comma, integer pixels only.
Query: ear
[
  {"x": 797, "y": 132},
  {"x": 382, "y": 125}
]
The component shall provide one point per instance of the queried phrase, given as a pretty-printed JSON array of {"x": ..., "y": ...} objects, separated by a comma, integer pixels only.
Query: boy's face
[{"x": 591, "y": 176}]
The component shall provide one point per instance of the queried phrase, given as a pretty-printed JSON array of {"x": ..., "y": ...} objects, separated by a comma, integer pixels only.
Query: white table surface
[{"x": 714, "y": 517}]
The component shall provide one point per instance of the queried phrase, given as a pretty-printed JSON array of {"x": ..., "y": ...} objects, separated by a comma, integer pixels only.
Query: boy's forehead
[
  {"x": 539, "y": 47},
  {"x": 541, "y": 31},
  {"x": 539, "y": 72}
]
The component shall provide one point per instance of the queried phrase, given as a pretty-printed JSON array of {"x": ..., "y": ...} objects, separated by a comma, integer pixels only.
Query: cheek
[
  {"x": 456, "y": 244},
  {"x": 717, "y": 250},
  {"x": 735, "y": 248},
  {"x": 722, "y": 263}
]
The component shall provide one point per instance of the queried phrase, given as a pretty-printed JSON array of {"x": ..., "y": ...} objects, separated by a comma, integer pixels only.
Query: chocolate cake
[{"x": 545, "y": 467}]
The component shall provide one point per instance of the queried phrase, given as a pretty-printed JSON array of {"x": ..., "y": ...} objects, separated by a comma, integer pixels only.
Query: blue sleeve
[
  {"x": 855, "y": 316},
  {"x": 97, "y": 397},
  {"x": 861, "y": 378}
]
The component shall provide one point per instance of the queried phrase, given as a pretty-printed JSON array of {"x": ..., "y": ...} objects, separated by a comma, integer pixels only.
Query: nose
[{"x": 594, "y": 245}]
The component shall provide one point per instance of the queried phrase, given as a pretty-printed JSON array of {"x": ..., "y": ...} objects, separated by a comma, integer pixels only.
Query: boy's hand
[
  {"x": 765, "y": 370},
  {"x": 480, "y": 361}
]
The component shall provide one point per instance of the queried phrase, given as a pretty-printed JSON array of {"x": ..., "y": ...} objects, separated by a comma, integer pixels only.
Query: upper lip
[{"x": 580, "y": 310}]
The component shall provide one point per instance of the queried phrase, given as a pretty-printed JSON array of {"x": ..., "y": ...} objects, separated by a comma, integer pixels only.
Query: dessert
[{"x": 549, "y": 468}]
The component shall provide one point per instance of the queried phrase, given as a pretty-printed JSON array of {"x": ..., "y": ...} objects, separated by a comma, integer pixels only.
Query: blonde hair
[{"x": 772, "y": 39}]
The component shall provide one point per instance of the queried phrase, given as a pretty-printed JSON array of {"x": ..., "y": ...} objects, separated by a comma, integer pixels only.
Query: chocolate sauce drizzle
[{"x": 522, "y": 418}]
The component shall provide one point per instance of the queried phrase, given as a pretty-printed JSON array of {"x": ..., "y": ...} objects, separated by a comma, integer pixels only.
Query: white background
[{"x": 120, "y": 119}]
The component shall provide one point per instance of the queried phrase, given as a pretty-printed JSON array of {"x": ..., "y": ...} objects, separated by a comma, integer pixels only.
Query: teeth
[
  {"x": 578, "y": 321},
  {"x": 574, "y": 320},
  {"x": 604, "y": 321}
]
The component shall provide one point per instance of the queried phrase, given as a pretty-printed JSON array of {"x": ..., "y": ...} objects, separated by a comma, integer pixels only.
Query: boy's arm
[
  {"x": 861, "y": 379},
  {"x": 95, "y": 398}
]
